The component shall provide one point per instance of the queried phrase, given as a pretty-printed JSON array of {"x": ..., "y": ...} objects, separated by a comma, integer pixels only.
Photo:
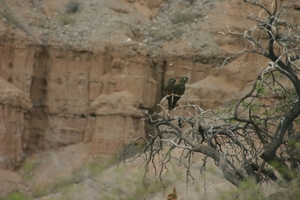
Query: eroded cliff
[{"x": 87, "y": 74}]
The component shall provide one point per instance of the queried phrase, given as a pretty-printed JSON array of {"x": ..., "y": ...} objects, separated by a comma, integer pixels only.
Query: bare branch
[{"x": 255, "y": 136}]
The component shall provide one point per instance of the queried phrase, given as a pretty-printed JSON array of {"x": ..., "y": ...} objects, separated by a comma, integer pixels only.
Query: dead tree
[{"x": 258, "y": 136}]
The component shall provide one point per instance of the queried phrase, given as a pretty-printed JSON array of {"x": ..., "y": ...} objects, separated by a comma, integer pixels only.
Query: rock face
[
  {"x": 89, "y": 91},
  {"x": 90, "y": 75},
  {"x": 13, "y": 106},
  {"x": 78, "y": 96}
]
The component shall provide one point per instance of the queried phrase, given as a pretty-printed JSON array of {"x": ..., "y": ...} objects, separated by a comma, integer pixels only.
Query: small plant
[
  {"x": 66, "y": 18},
  {"x": 247, "y": 191},
  {"x": 161, "y": 36},
  {"x": 27, "y": 168},
  {"x": 183, "y": 17},
  {"x": 72, "y": 7},
  {"x": 17, "y": 196},
  {"x": 260, "y": 89}
]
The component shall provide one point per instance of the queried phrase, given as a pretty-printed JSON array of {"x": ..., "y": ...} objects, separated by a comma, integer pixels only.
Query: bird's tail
[
  {"x": 174, "y": 102},
  {"x": 169, "y": 102}
]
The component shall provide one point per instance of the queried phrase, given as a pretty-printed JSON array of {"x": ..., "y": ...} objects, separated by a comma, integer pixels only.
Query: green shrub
[
  {"x": 66, "y": 18},
  {"x": 183, "y": 17},
  {"x": 17, "y": 196}
]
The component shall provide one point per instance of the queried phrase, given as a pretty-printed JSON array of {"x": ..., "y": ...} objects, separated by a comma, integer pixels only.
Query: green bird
[
  {"x": 169, "y": 90},
  {"x": 179, "y": 89}
]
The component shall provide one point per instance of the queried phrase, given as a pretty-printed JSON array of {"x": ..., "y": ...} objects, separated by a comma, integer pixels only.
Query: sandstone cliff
[{"x": 87, "y": 74}]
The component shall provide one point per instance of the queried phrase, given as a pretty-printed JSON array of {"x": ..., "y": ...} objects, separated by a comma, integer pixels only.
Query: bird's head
[
  {"x": 171, "y": 81},
  {"x": 184, "y": 80}
]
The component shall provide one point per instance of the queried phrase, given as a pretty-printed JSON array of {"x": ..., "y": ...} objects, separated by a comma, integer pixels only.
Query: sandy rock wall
[
  {"x": 74, "y": 96},
  {"x": 13, "y": 106}
]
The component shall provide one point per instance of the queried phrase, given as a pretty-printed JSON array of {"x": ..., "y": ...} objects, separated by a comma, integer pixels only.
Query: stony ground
[{"x": 92, "y": 23}]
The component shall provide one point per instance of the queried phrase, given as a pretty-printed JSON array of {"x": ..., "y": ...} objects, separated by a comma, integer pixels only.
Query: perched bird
[
  {"x": 173, "y": 195},
  {"x": 169, "y": 90},
  {"x": 179, "y": 89}
]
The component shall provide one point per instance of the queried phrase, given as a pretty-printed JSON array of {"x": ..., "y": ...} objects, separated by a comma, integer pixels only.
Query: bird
[
  {"x": 173, "y": 195},
  {"x": 179, "y": 90},
  {"x": 169, "y": 90}
]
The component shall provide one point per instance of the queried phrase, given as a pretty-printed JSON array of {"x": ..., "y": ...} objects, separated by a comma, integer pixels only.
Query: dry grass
[
  {"x": 119, "y": 10},
  {"x": 183, "y": 17}
]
